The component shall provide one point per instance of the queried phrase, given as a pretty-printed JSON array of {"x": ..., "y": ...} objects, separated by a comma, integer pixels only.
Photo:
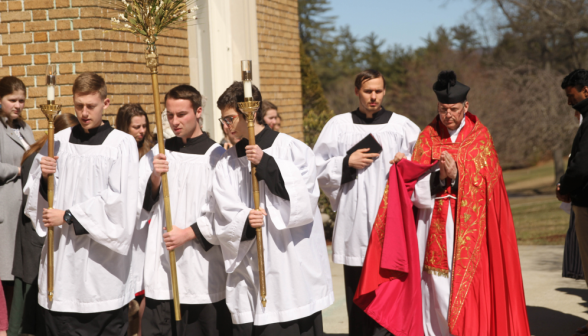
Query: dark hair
[
  {"x": 266, "y": 105},
  {"x": 367, "y": 75},
  {"x": 187, "y": 92},
  {"x": 62, "y": 121},
  {"x": 234, "y": 94},
  {"x": 123, "y": 123},
  {"x": 577, "y": 78},
  {"x": 9, "y": 85},
  {"x": 90, "y": 82}
]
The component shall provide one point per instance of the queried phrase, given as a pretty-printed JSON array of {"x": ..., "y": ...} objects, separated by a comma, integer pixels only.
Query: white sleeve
[
  {"x": 411, "y": 135},
  {"x": 299, "y": 175},
  {"x": 110, "y": 216},
  {"x": 145, "y": 170},
  {"x": 206, "y": 220},
  {"x": 329, "y": 163},
  {"x": 421, "y": 197},
  {"x": 35, "y": 202}
]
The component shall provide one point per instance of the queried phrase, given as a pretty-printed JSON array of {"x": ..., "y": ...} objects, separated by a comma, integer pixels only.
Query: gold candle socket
[
  {"x": 152, "y": 64},
  {"x": 249, "y": 108},
  {"x": 50, "y": 110}
]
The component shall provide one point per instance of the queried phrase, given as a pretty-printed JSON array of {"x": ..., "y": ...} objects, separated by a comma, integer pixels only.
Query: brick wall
[
  {"x": 73, "y": 35},
  {"x": 279, "y": 60}
]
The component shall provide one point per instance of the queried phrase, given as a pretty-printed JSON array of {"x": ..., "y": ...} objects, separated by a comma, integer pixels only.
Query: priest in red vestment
[{"x": 471, "y": 275}]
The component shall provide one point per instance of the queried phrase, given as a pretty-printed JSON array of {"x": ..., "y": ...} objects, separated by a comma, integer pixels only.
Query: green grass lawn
[{"x": 536, "y": 213}]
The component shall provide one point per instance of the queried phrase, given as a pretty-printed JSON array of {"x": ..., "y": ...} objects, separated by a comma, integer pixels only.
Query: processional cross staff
[
  {"x": 50, "y": 110},
  {"x": 148, "y": 18},
  {"x": 249, "y": 108}
]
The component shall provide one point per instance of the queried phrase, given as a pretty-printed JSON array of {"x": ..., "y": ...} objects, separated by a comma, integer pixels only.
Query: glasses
[{"x": 230, "y": 120}]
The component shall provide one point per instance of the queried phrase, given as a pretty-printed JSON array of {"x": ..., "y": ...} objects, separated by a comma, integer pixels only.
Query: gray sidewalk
[{"x": 556, "y": 306}]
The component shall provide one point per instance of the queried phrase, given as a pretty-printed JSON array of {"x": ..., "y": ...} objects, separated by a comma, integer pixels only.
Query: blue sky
[{"x": 403, "y": 22}]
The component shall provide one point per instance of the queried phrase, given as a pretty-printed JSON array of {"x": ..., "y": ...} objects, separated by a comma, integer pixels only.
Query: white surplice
[
  {"x": 357, "y": 202},
  {"x": 298, "y": 276},
  {"x": 201, "y": 274},
  {"x": 98, "y": 184},
  {"x": 436, "y": 290}
]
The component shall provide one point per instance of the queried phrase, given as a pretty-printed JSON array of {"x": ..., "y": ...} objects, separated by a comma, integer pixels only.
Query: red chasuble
[
  {"x": 389, "y": 289},
  {"x": 487, "y": 296}
]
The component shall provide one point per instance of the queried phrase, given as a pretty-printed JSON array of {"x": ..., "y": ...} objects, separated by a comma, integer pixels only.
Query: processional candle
[{"x": 51, "y": 74}]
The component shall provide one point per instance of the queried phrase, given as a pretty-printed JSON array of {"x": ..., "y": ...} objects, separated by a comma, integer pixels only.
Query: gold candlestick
[
  {"x": 249, "y": 108},
  {"x": 50, "y": 110}
]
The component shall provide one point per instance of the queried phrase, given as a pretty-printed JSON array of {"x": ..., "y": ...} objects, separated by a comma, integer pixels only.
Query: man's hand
[
  {"x": 562, "y": 198},
  {"x": 256, "y": 218},
  {"x": 48, "y": 166},
  {"x": 361, "y": 159},
  {"x": 53, "y": 217},
  {"x": 397, "y": 158},
  {"x": 447, "y": 166},
  {"x": 160, "y": 166},
  {"x": 254, "y": 154},
  {"x": 177, "y": 237}
]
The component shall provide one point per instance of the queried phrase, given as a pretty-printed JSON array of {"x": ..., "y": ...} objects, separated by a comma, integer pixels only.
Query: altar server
[
  {"x": 95, "y": 209},
  {"x": 189, "y": 159},
  {"x": 297, "y": 269},
  {"x": 354, "y": 178}
]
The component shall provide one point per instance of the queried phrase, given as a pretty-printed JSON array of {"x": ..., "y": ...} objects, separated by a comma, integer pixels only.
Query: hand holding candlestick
[
  {"x": 249, "y": 108},
  {"x": 50, "y": 110}
]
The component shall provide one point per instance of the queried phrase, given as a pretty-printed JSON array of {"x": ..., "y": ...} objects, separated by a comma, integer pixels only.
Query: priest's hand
[
  {"x": 361, "y": 159},
  {"x": 562, "y": 198},
  {"x": 448, "y": 166},
  {"x": 256, "y": 218},
  {"x": 177, "y": 237},
  {"x": 254, "y": 154},
  {"x": 53, "y": 217},
  {"x": 397, "y": 158},
  {"x": 48, "y": 166}
]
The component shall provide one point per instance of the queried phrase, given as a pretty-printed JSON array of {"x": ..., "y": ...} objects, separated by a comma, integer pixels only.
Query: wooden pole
[
  {"x": 152, "y": 64},
  {"x": 50, "y": 110}
]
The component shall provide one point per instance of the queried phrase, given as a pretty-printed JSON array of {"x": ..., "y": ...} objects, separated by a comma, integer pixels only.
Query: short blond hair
[{"x": 90, "y": 82}]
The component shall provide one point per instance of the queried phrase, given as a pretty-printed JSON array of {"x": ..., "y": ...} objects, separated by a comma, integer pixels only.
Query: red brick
[
  {"x": 66, "y": 58},
  {"x": 84, "y": 3},
  {"x": 41, "y": 48},
  {"x": 41, "y": 59},
  {"x": 39, "y": 15},
  {"x": 17, "y": 49},
  {"x": 38, "y": 92},
  {"x": 39, "y": 135},
  {"x": 66, "y": 79},
  {"x": 28, "y": 81},
  {"x": 38, "y": 4},
  {"x": 64, "y": 25},
  {"x": 40, "y": 26},
  {"x": 64, "y": 35},
  {"x": 3, "y": 50},
  {"x": 3, "y": 28},
  {"x": 18, "y": 71},
  {"x": 64, "y": 13},
  {"x": 15, "y": 16},
  {"x": 16, "y": 27},
  {"x": 3, "y": 8},
  {"x": 33, "y": 70},
  {"x": 32, "y": 123},
  {"x": 62, "y": 3},
  {"x": 40, "y": 37},
  {"x": 17, "y": 38},
  {"x": 14, "y": 6},
  {"x": 65, "y": 69},
  {"x": 64, "y": 47},
  {"x": 16, "y": 60}
]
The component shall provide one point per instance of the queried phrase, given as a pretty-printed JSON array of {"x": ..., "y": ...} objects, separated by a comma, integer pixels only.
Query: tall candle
[
  {"x": 50, "y": 92},
  {"x": 247, "y": 88},
  {"x": 246, "y": 78},
  {"x": 51, "y": 72}
]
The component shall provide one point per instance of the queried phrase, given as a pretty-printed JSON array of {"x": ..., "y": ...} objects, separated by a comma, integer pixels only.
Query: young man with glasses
[
  {"x": 297, "y": 269},
  {"x": 189, "y": 161}
]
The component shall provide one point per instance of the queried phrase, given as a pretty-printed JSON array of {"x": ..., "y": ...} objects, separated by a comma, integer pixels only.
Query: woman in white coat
[{"x": 15, "y": 138}]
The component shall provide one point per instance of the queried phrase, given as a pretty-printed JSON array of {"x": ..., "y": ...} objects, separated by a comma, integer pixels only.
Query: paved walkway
[{"x": 556, "y": 306}]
